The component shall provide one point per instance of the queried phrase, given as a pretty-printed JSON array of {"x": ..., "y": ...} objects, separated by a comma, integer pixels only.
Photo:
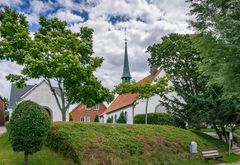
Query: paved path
[
  {"x": 236, "y": 163},
  {"x": 2, "y": 130}
]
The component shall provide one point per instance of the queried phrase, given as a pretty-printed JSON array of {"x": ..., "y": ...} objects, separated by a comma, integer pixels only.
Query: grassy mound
[
  {"x": 45, "y": 156},
  {"x": 92, "y": 143}
]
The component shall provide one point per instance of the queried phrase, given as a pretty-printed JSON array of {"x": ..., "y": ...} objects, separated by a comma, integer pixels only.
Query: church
[{"x": 129, "y": 103}]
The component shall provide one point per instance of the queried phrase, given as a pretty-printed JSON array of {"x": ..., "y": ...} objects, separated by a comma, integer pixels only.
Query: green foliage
[
  {"x": 198, "y": 102},
  {"x": 70, "y": 117},
  {"x": 145, "y": 90},
  {"x": 160, "y": 119},
  {"x": 96, "y": 119},
  {"x": 45, "y": 156},
  {"x": 28, "y": 127},
  {"x": 219, "y": 21},
  {"x": 91, "y": 143},
  {"x": 55, "y": 53},
  {"x": 179, "y": 57},
  {"x": 6, "y": 115},
  {"x": 122, "y": 118},
  {"x": 109, "y": 120}
]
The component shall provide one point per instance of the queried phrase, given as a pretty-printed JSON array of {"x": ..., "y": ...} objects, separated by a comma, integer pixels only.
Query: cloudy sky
[{"x": 146, "y": 22}]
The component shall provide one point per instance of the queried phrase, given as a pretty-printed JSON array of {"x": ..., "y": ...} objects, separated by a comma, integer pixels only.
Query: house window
[
  {"x": 88, "y": 108},
  {"x": 96, "y": 107},
  {"x": 85, "y": 119}
]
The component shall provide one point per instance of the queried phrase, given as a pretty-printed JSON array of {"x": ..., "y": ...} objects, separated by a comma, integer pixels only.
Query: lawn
[
  {"x": 93, "y": 143},
  {"x": 226, "y": 159},
  {"x": 43, "y": 157}
]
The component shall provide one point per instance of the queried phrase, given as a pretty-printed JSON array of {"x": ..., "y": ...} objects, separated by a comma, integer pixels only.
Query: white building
[
  {"x": 39, "y": 93},
  {"x": 129, "y": 104}
]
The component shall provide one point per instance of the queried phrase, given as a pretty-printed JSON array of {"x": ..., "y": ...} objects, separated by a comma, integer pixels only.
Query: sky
[{"x": 145, "y": 21}]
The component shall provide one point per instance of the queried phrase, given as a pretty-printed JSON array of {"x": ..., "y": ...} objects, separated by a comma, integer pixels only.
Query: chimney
[{"x": 153, "y": 70}]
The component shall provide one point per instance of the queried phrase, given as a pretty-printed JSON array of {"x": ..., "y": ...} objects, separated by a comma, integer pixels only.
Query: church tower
[{"x": 126, "y": 76}]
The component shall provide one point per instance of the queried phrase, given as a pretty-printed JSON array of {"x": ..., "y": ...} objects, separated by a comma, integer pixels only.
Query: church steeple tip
[{"x": 126, "y": 76}]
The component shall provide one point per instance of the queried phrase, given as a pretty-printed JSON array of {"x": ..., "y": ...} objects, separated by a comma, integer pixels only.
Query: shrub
[
  {"x": 109, "y": 120},
  {"x": 160, "y": 119},
  {"x": 122, "y": 118},
  {"x": 96, "y": 118},
  {"x": 28, "y": 128},
  {"x": 70, "y": 117},
  {"x": 6, "y": 115}
]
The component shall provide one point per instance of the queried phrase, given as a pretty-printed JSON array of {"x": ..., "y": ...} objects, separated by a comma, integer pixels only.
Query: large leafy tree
[
  {"x": 219, "y": 22},
  {"x": 55, "y": 54},
  {"x": 196, "y": 102},
  {"x": 177, "y": 55},
  {"x": 145, "y": 90}
]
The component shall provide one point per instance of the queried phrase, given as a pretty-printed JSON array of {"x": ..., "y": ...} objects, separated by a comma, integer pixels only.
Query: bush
[
  {"x": 109, "y": 120},
  {"x": 122, "y": 118},
  {"x": 6, "y": 115},
  {"x": 70, "y": 117},
  {"x": 160, "y": 119},
  {"x": 96, "y": 119},
  {"x": 28, "y": 128}
]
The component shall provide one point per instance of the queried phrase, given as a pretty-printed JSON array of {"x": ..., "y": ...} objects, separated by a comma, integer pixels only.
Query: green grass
[
  {"x": 194, "y": 162},
  {"x": 43, "y": 157},
  {"x": 226, "y": 159},
  {"x": 230, "y": 158},
  {"x": 92, "y": 143}
]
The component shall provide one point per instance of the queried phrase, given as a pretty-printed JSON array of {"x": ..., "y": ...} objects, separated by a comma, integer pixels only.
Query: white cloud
[
  {"x": 6, "y": 68},
  {"x": 10, "y": 2},
  {"x": 37, "y": 7},
  {"x": 66, "y": 15},
  {"x": 147, "y": 23}
]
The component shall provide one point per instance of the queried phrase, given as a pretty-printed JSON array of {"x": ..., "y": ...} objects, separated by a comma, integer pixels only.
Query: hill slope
[{"x": 92, "y": 143}]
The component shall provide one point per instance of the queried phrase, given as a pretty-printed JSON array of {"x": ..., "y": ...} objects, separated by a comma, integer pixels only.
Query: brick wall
[
  {"x": 80, "y": 111},
  {"x": 1, "y": 112}
]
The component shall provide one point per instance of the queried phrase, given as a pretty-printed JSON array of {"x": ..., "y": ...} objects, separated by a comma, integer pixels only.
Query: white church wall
[
  {"x": 43, "y": 96},
  {"x": 115, "y": 115}
]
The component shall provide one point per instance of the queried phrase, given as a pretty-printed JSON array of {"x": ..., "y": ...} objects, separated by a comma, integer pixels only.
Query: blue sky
[{"x": 146, "y": 22}]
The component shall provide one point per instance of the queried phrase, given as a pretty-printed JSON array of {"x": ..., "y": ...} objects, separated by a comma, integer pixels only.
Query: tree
[
  {"x": 145, "y": 91},
  {"x": 55, "y": 54},
  {"x": 28, "y": 128},
  {"x": 109, "y": 120},
  {"x": 178, "y": 56},
  {"x": 219, "y": 23},
  {"x": 196, "y": 101},
  {"x": 122, "y": 118},
  {"x": 96, "y": 119}
]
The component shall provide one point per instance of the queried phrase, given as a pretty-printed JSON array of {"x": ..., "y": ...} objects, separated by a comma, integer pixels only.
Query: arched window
[{"x": 49, "y": 112}]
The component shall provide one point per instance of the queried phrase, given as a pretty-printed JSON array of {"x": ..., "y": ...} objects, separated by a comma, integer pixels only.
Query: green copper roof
[{"x": 126, "y": 76}]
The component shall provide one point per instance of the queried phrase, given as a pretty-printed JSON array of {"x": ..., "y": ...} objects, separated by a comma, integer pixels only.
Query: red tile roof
[{"x": 129, "y": 98}]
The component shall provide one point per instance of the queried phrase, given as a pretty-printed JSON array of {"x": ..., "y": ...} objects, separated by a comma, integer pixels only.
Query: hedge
[{"x": 160, "y": 119}]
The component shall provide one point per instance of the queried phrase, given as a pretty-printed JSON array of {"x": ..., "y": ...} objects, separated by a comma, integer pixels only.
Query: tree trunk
[
  {"x": 146, "y": 112},
  {"x": 133, "y": 107},
  {"x": 218, "y": 132},
  {"x": 25, "y": 158},
  {"x": 64, "y": 112},
  {"x": 224, "y": 133}
]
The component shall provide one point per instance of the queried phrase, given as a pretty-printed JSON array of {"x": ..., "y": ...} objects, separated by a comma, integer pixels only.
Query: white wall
[{"x": 43, "y": 96}]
